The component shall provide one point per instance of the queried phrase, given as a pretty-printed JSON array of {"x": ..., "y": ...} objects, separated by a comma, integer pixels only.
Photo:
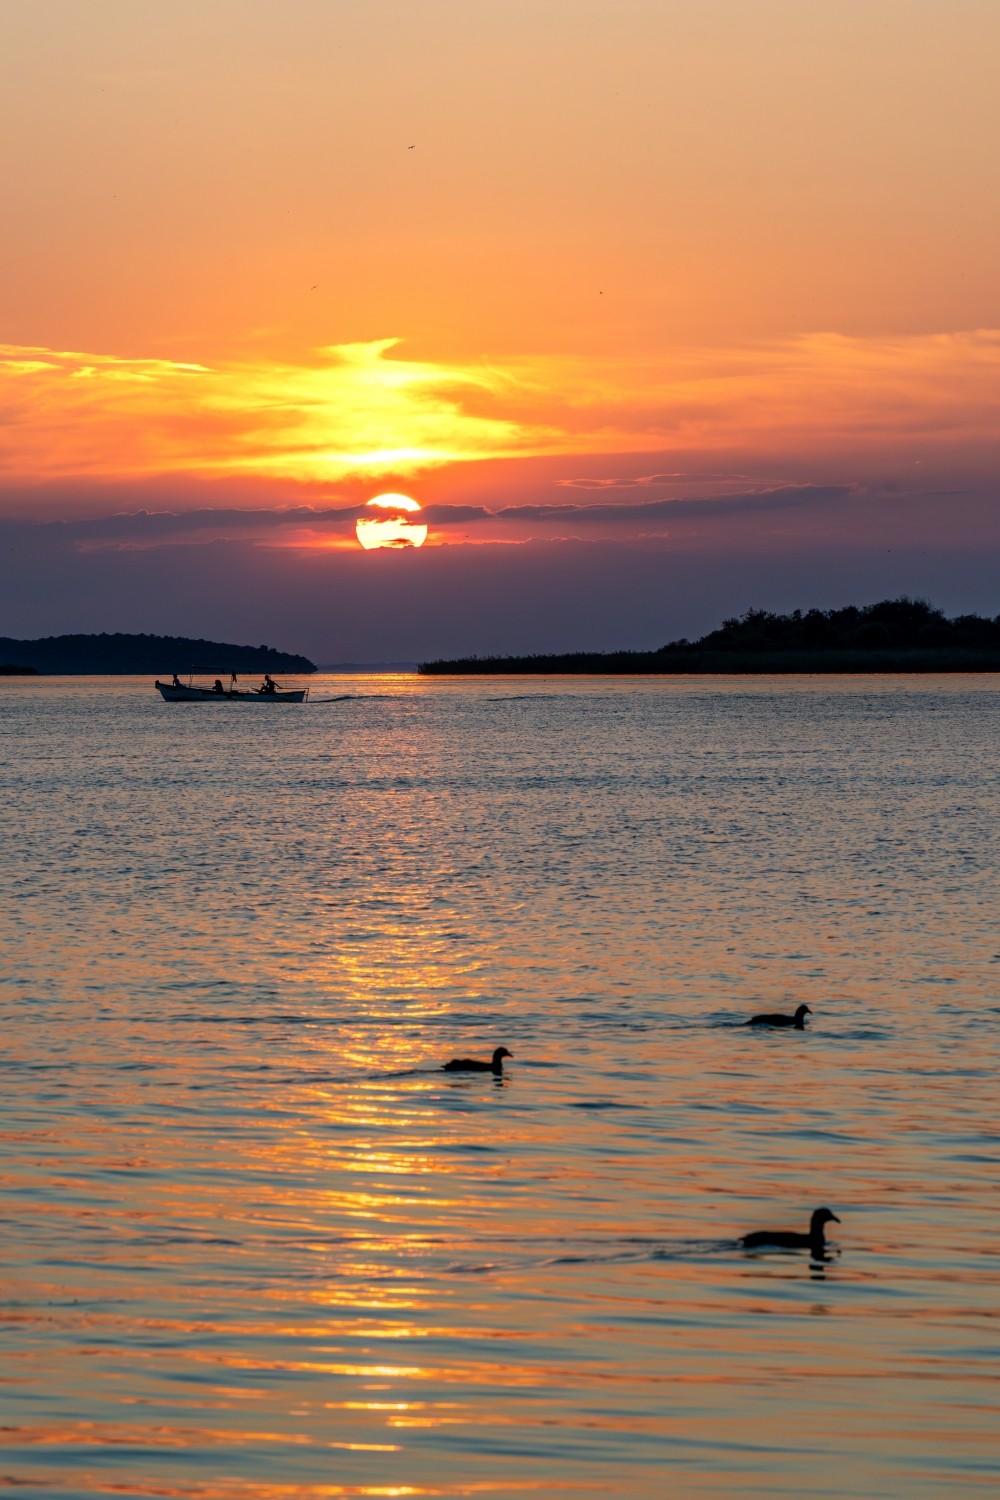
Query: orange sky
[
  {"x": 262, "y": 255},
  {"x": 178, "y": 179}
]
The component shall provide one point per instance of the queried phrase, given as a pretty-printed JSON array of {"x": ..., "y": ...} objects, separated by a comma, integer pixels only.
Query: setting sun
[{"x": 393, "y": 528}]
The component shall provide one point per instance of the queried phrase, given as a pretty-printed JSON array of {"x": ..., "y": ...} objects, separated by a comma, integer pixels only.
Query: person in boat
[
  {"x": 268, "y": 685},
  {"x": 176, "y": 682},
  {"x": 218, "y": 688}
]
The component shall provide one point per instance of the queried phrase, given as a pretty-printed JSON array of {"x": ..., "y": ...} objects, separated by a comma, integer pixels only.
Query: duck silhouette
[
  {"x": 775, "y": 1018},
  {"x": 473, "y": 1065},
  {"x": 791, "y": 1239}
]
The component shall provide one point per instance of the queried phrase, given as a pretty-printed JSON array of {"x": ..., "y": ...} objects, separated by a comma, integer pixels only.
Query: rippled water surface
[{"x": 255, "y": 1244}]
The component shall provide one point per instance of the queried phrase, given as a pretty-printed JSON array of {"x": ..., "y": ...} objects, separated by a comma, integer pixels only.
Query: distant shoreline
[
  {"x": 896, "y": 635},
  {"x": 717, "y": 664},
  {"x": 365, "y": 668}
]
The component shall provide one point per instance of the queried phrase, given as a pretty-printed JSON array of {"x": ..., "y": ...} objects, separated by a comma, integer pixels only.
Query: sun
[{"x": 393, "y": 528}]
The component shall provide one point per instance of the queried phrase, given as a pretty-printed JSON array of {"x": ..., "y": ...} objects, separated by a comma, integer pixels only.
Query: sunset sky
[{"x": 658, "y": 309}]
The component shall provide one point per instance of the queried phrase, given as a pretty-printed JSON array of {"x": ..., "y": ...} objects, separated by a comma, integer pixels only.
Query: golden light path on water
[{"x": 256, "y": 1244}]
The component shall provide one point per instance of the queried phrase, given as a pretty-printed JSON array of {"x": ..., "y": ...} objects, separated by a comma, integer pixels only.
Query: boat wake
[
  {"x": 358, "y": 698},
  {"x": 621, "y": 1252}
]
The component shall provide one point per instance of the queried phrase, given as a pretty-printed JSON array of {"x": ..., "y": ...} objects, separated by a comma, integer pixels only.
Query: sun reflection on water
[{"x": 254, "y": 1231}]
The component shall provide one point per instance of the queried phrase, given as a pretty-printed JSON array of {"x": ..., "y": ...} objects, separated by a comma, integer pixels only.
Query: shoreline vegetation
[
  {"x": 135, "y": 655},
  {"x": 895, "y": 635}
]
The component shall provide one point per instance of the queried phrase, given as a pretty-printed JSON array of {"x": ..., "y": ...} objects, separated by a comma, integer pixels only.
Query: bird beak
[{"x": 834, "y": 1218}]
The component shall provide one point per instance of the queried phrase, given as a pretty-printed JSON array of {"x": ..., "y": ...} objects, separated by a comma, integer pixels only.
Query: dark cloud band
[{"x": 152, "y": 527}]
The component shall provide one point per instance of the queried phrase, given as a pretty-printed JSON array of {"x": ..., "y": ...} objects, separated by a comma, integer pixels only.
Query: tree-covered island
[
  {"x": 113, "y": 655},
  {"x": 896, "y": 635}
]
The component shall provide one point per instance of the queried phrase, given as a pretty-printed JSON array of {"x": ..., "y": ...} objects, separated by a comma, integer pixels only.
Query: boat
[{"x": 178, "y": 692}]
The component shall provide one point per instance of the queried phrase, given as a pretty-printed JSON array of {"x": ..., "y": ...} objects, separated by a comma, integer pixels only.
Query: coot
[
  {"x": 473, "y": 1065},
  {"x": 777, "y": 1019},
  {"x": 791, "y": 1239}
]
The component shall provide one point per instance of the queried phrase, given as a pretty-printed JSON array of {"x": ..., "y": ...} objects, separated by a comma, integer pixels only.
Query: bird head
[
  {"x": 499, "y": 1053},
  {"x": 823, "y": 1216}
]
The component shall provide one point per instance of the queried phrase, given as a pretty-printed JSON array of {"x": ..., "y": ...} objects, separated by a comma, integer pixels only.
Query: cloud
[
  {"x": 309, "y": 526},
  {"x": 149, "y": 528},
  {"x": 786, "y": 497},
  {"x": 644, "y": 481},
  {"x": 350, "y": 409},
  {"x": 363, "y": 409}
]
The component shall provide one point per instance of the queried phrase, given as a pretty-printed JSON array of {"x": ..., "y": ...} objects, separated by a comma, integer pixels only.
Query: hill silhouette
[
  {"x": 895, "y": 635},
  {"x": 115, "y": 655}
]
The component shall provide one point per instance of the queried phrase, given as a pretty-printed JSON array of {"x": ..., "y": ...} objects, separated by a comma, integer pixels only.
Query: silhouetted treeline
[
  {"x": 100, "y": 655},
  {"x": 893, "y": 625},
  {"x": 896, "y": 635}
]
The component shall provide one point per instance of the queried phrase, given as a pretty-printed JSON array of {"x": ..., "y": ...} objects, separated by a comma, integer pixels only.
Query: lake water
[{"x": 256, "y": 1245}]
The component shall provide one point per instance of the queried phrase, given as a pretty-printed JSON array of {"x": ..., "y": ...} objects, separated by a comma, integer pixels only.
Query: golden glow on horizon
[
  {"x": 361, "y": 409},
  {"x": 394, "y": 530}
]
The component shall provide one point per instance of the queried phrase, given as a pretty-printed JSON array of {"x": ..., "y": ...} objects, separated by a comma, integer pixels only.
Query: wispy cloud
[
  {"x": 351, "y": 409},
  {"x": 363, "y": 409},
  {"x": 647, "y": 481}
]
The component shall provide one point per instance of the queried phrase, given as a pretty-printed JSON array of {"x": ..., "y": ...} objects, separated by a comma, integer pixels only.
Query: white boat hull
[{"x": 171, "y": 694}]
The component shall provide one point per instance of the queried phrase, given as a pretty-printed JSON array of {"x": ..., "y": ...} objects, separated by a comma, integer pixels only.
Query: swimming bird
[
  {"x": 777, "y": 1019},
  {"x": 791, "y": 1239},
  {"x": 473, "y": 1065}
]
